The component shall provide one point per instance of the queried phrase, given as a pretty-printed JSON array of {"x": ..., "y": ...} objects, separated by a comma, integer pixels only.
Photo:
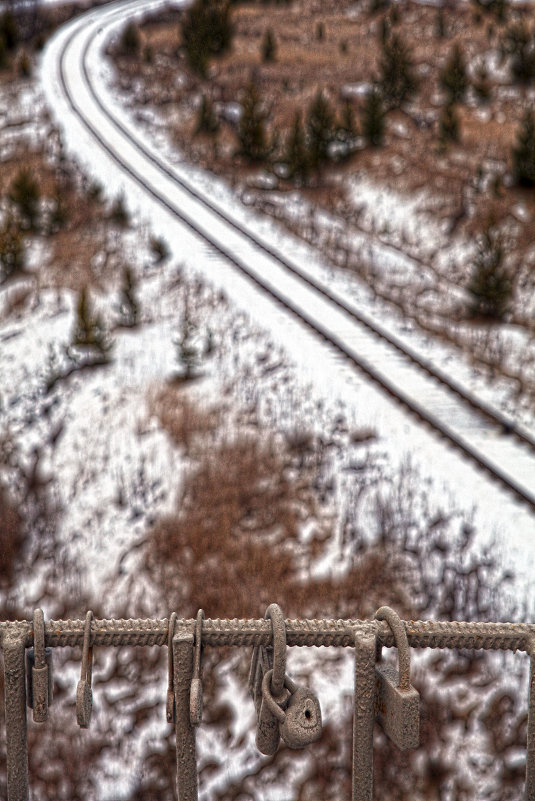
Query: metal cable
[{"x": 240, "y": 633}]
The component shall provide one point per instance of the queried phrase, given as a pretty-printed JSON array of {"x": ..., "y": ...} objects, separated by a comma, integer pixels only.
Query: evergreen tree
[
  {"x": 187, "y": 350},
  {"x": 9, "y": 30},
  {"x": 491, "y": 285},
  {"x": 12, "y": 252},
  {"x": 482, "y": 85},
  {"x": 159, "y": 248},
  {"x": 4, "y": 61},
  {"x": 130, "y": 41},
  {"x": 453, "y": 78},
  {"x": 449, "y": 130},
  {"x": 269, "y": 46},
  {"x": 207, "y": 121},
  {"x": 24, "y": 194},
  {"x": 89, "y": 334},
  {"x": 251, "y": 131},
  {"x": 373, "y": 118},
  {"x": 206, "y": 31},
  {"x": 128, "y": 302},
  {"x": 519, "y": 44},
  {"x": 397, "y": 80},
  {"x": 320, "y": 129},
  {"x": 118, "y": 212},
  {"x": 297, "y": 156},
  {"x": 524, "y": 152}
]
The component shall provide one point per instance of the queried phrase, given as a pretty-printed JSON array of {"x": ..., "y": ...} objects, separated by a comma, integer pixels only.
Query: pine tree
[
  {"x": 25, "y": 195},
  {"x": 12, "y": 251},
  {"x": 206, "y": 31},
  {"x": 4, "y": 61},
  {"x": 523, "y": 153},
  {"x": 128, "y": 302},
  {"x": 482, "y": 86},
  {"x": 491, "y": 285},
  {"x": 453, "y": 78},
  {"x": 9, "y": 30},
  {"x": 269, "y": 46},
  {"x": 187, "y": 351},
  {"x": 320, "y": 129},
  {"x": 373, "y": 118},
  {"x": 130, "y": 41},
  {"x": 118, "y": 212},
  {"x": 207, "y": 121},
  {"x": 449, "y": 130},
  {"x": 297, "y": 155},
  {"x": 89, "y": 334},
  {"x": 397, "y": 80},
  {"x": 251, "y": 131},
  {"x": 519, "y": 44}
]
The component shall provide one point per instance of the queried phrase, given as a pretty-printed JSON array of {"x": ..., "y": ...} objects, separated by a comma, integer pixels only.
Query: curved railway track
[{"x": 502, "y": 425}]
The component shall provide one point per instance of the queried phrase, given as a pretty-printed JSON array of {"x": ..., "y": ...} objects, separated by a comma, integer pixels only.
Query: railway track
[{"x": 490, "y": 439}]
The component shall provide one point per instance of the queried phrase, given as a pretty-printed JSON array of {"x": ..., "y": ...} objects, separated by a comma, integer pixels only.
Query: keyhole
[{"x": 307, "y": 714}]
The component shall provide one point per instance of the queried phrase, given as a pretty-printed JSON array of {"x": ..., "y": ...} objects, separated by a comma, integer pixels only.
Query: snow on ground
[{"x": 111, "y": 447}]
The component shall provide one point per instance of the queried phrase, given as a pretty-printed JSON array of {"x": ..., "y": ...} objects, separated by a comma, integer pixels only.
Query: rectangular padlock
[
  {"x": 397, "y": 710},
  {"x": 42, "y": 680}
]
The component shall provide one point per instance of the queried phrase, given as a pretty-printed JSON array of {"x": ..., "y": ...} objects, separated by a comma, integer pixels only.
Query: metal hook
[
  {"x": 170, "y": 714},
  {"x": 84, "y": 691},
  {"x": 195, "y": 695},
  {"x": 274, "y": 613}
]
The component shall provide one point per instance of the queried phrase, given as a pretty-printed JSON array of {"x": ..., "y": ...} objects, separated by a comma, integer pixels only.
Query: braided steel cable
[{"x": 241, "y": 633}]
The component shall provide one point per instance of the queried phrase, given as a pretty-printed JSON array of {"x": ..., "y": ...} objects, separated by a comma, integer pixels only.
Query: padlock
[
  {"x": 397, "y": 703},
  {"x": 297, "y": 717},
  {"x": 302, "y": 719},
  {"x": 270, "y": 716},
  {"x": 39, "y": 684}
]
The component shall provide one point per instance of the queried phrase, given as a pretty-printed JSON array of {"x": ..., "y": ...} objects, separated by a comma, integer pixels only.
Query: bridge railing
[{"x": 27, "y": 647}]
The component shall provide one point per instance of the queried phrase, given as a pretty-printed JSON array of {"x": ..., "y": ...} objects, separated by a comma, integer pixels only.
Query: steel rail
[
  {"x": 507, "y": 423},
  {"x": 384, "y": 383}
]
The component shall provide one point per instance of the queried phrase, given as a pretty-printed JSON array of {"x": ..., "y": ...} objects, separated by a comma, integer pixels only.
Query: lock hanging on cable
[
  {"x": 39, "y": 677},
  {"x": 397, "y": 703}
]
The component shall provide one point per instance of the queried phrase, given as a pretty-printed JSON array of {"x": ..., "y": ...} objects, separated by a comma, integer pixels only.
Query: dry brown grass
[{"x": 185, "y": 420}]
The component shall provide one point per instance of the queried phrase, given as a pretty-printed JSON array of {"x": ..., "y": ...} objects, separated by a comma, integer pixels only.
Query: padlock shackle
[
  {"x": 401, "y": 641},
  {"x": 274, "y": 708},
  {"x": 39, "y": 638},
  {"x": 278, "y": 626}
]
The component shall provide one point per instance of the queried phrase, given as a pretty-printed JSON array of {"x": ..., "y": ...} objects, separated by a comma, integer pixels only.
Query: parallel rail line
[{"x": 505, "y": 424}]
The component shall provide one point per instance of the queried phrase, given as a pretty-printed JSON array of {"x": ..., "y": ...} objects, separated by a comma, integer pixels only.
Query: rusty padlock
[
  {"x": 31, "y": 672},
  {"x": 39, "y": 671},
  {"x": 397, "y": 703},
  {"x": 299, "y": 717},
  {"x": 302, "y": 718},
  {"x": 267, "y": 732}
]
